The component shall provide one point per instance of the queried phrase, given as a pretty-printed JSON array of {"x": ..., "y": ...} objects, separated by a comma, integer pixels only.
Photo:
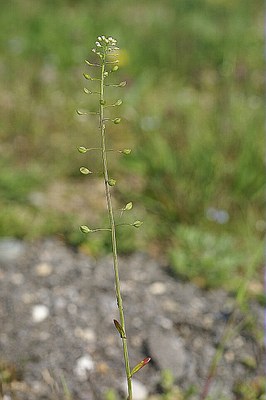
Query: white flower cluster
[
  {"x": 106, "y": 41},
  {"x": 104, "y": 44}
]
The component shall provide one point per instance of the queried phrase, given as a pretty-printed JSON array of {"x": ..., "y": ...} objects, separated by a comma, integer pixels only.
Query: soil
[{"x": 57, "y": 307}]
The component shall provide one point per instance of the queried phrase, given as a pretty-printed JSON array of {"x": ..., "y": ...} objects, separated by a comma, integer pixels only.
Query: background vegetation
[{"x": 193, "y": 113}]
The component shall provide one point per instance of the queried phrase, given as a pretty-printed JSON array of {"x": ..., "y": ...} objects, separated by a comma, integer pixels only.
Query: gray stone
[
  {"x": 11, "y": 249},
  {"x": 167, "y": 350}
]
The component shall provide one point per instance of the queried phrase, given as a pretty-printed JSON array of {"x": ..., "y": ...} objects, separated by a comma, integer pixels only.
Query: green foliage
[
  {"x": 251, "y": 390},
  {"x": 194, "y": 115},
  {"x": 209, "y": 259}
]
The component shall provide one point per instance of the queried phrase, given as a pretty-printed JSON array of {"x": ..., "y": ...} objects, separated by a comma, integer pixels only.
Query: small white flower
[{"x": 98, "y": 44}]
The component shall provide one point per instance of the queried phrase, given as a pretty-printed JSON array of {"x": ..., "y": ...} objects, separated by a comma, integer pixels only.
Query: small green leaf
[
  {"x": 115, "y": 68},
  {"x": 82, "y": 149},
  {"x": 117, "y": 121},
  {"x": 120, "y": 329},
  {"x": 126, "y": 151},
  {"x": 85, "y": 229},
  {"x": 137, "y": 224},
  {"x": 140, "y": 365},
  {"x": 85, "y": 171},
  {"x": 111, "y": 182}
]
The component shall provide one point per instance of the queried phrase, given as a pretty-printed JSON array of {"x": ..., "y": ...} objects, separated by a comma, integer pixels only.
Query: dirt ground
[{"x": 57, "y": 308}]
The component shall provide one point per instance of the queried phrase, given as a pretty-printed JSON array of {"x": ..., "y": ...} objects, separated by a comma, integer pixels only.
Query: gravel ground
[{"x": 57, "y": 308}]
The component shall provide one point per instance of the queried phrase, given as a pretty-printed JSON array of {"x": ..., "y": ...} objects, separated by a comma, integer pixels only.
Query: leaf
[
  {"x": 120, "y": 329},
  {"x": 140, "y": 365}
]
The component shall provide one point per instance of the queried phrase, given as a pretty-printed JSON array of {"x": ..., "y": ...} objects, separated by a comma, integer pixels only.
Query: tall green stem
[{"x": 113, "y": 230}]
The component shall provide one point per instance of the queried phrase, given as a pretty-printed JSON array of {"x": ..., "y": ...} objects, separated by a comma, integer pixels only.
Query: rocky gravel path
[{"x": 57, "y": 308}]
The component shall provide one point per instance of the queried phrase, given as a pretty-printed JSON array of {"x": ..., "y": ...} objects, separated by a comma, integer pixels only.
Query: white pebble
[
  {"x": 84, "y": 365},
  {"x": 40, "y": 313},
  {"x": 140, "y": 391},
  {"x": 157, "y": 288},
  {"x": 43, "y": 269},
  {"x": 86, "y": 334}
]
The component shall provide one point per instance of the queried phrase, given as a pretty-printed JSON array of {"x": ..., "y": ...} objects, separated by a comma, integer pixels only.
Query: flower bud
[
  {"x": 102, "y": 102},
  {"x": 111, "y": 182}
]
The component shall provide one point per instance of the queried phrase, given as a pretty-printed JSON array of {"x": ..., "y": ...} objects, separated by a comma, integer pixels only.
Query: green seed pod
[
  {"x": 111, "y": 182},
  {"x": 85, "y": 229},
  {"x": 117, "y": 121},
  {"x": 126, "y": 151},
  {"x": 102, "y": 102},
  {"x": 80, "y": 112},
  {"x": 82, "y": 149},
  {"x": 87, "y": 76},
  {"x": 105, "y": 74},
  {"x": 137, "y": 224},
  {"x": 122, "y": 84},
  {"x": 128, "y": 206},
  {"x": 85, "y": 171},
  {"x": 118, "y": 102},
  {"x": 115, "y": 68}
]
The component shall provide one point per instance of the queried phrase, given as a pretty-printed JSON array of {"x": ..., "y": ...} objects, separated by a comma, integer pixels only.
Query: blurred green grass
[{"x": 193, "y": 113}]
